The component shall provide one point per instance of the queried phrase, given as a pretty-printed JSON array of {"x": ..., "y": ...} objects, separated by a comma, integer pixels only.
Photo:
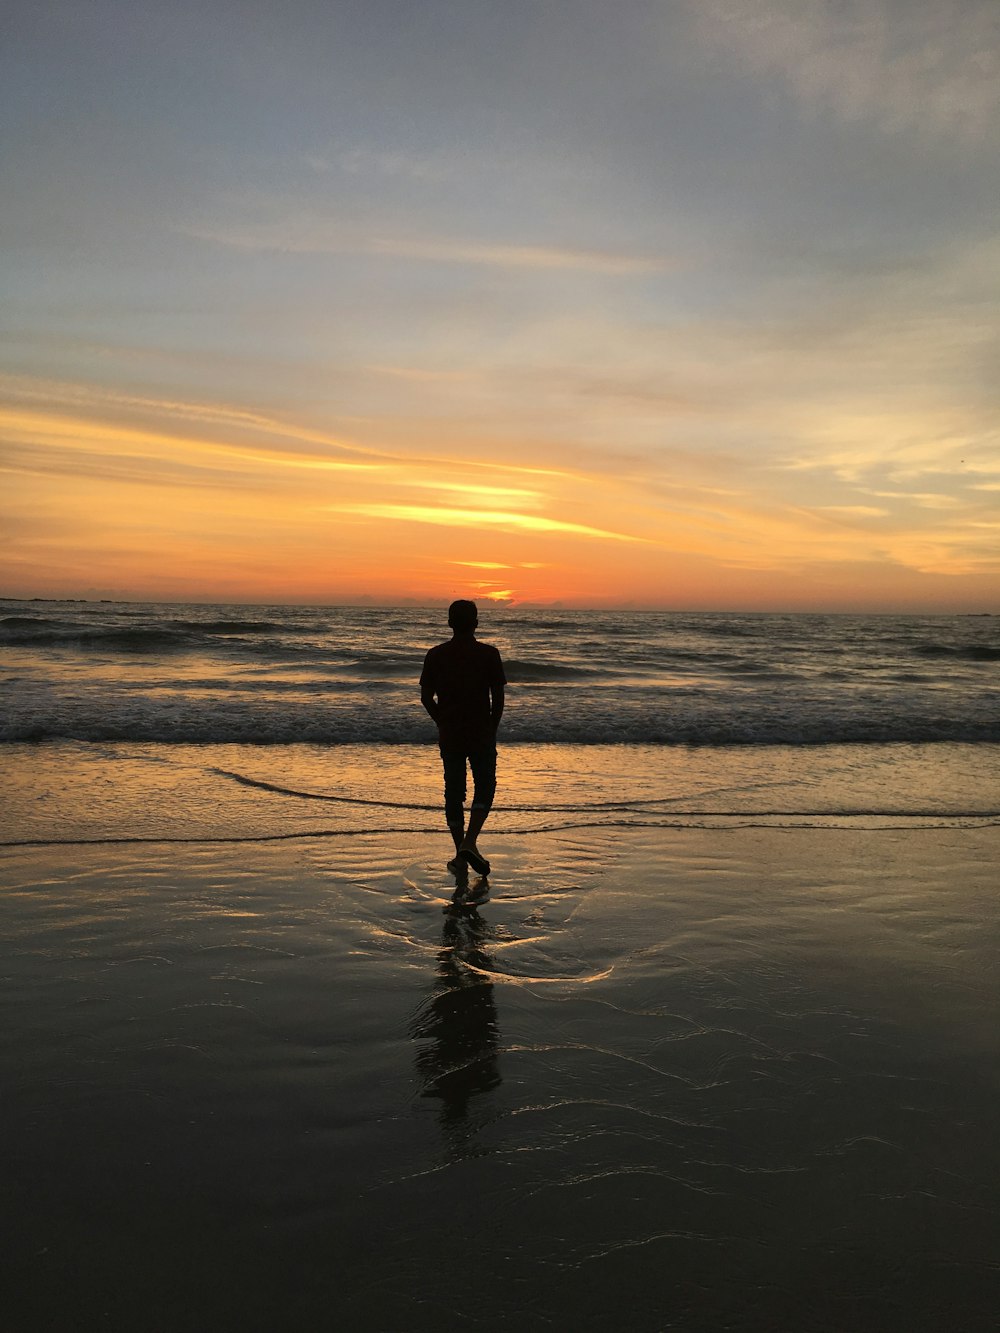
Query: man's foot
[{"x": 473, "y": 858}]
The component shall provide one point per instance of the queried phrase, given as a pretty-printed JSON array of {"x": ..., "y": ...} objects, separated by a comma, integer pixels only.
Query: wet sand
[{"x": 694, "y": 1078}]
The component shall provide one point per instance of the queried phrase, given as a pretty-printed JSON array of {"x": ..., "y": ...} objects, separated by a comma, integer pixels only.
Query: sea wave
[
  {"x": 238, "y": 627},
  {"x": 711, "y": 820},
  {"x": 137, "y": 640},
  {"x": 654, "y": 805},
  {"x": 256, "y": 726},
  {"x": 968, "y": 652},
  {"x": 520, "y": 670}
]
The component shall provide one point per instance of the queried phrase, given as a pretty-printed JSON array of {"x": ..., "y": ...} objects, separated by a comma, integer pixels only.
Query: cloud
[
  {"x": 360, "y": 161},
  {"x": 69, "y": 434},
  {"x": 478, "y": 518},
  {"x": 421, "y": 375},
  {"x": 924, "y": 66},
  {"x": 474, "y": 489},
  {"x": 925, "y": 499},
  {"x": 480, "y": 564},
  {"x": 316, "y": 236},
  {"x": 855, "y": 511},
  {"x": 497, "y": 565},
  {"x": 133, "y": 468},
  {"x": 81, "y": 415},
  {"x": 110, "y": 403}
]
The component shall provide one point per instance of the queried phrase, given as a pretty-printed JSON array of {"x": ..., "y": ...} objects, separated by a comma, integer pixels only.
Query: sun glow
[{"x": 144, "y": 504}]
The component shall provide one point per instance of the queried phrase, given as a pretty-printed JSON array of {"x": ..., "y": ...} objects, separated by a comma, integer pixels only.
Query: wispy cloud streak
[
  {"x": 317, "y": 237},
  {"x": 478, "y": 518}
]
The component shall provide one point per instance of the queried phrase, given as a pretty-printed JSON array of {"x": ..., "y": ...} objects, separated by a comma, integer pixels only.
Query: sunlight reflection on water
[{"x": 66, "y": 790}]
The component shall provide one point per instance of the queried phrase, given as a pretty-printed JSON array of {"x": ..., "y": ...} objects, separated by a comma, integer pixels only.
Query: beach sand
[{"x": 695, "y": 1078}]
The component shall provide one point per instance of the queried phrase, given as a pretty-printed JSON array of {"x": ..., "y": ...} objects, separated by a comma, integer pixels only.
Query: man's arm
[
  {"x": 428, "y": 701},
  {"x": 496, "y": 705},
  {"x": 427, "y": 693}
]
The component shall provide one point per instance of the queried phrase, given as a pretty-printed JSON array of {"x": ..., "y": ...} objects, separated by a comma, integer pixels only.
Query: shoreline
[{"x": 73, "y": 793}]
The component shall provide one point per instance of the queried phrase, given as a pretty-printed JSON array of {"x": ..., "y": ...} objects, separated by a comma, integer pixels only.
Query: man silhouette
[{"x": 462, "y": 687}]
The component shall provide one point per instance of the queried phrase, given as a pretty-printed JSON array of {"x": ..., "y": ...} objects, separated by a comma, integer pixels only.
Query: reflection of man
[
  {"x": 457, "y": 1025},
  {"x": 461, "y": 686}
]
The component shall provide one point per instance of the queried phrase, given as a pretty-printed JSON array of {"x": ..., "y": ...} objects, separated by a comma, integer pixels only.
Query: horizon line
[{"x": 417, "y": 604}]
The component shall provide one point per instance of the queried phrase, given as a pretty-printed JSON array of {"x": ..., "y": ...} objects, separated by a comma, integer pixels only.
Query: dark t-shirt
[{"x": 461, "y": 673}]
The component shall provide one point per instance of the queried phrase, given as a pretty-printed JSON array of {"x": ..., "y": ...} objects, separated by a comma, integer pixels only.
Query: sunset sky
[{"x": 688, "y": 303}]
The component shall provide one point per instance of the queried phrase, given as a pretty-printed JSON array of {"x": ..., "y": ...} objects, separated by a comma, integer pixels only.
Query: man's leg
[
  {"x": 483, "y": 762},
  {"x": 454, "y": 793}
]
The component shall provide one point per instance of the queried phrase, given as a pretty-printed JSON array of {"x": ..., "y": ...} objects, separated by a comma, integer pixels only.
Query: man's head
[{"x": 463, "y": 617}]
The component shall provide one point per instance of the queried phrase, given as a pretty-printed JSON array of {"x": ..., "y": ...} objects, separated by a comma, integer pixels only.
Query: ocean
[
  {"x": 714, "y": 1047},
  {"x": 272, "y": 675}
]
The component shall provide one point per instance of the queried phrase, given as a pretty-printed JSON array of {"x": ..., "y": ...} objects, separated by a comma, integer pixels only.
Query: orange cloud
[{"x": 473, "y": 518}]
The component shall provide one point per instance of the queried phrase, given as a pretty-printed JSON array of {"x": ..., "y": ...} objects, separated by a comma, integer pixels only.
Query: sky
[{"x": 689, "y": 304}]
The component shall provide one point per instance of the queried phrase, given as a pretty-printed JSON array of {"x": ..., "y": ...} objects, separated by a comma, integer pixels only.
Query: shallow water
[
  {"x": 70, "y": 791},
  {"x": 710, "y": 1079}
]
